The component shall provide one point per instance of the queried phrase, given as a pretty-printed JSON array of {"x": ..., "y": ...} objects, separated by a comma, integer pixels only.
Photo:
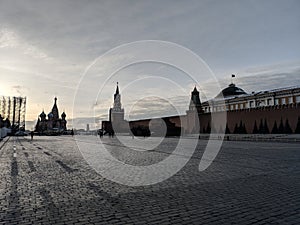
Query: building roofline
[{"x": 254, "y": 94}]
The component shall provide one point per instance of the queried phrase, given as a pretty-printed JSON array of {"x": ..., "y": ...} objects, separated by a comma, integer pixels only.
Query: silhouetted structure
[
  {"x": 12, "y": 113},
  {"x": 297, "y": 131},
  {"x": 117, "y": 124},
  {"x": 192, "y": 115},
  {"x": 116, "y": 121},
  {"x": 254, "y": 113},
  {"x": 52, "y": 125},
  {"x": 259, "y": 111},
  {"x": 275, "y": 128}
]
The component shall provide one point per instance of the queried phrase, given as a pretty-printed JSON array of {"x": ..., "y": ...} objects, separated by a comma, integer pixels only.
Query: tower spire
[
  {"x": 117, "y": 91},
  {"x": 195, "y": 103},
  {"x": 232, "y": 76},
  {"x": 55, "y": 109}
]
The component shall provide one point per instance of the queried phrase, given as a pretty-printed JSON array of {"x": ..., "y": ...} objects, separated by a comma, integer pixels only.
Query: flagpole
[{"x": 232, "y": 76}]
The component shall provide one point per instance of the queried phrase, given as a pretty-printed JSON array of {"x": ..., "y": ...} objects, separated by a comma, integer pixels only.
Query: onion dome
[
  {"x": 42, "y": 114},
  {"x": 50, "y": 115}
]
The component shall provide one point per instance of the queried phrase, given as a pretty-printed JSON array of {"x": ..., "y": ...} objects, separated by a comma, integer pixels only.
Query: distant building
[
  {"x": 116, "y": 122},
  {"x": 236, "y": 98},
  {"x": 265, "y": 112},
  {"x": 53, "y": 123},
  {"x": 116, "y": 113},
  {"x": 272, "y": 111}
]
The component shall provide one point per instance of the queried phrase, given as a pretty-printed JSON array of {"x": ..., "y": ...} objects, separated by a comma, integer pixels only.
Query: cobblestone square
[{"x": 47, "y": 181}]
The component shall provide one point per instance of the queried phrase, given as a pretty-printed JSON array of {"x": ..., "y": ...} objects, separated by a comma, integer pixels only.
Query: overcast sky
[{"x": 47, "y": 46}]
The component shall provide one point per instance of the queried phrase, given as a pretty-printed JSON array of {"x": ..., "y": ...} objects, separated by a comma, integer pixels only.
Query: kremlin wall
[{"x": 267, "y": 112}]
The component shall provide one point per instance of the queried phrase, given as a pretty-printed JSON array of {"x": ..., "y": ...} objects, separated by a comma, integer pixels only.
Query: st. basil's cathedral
[{"x": 52, "y": 124}]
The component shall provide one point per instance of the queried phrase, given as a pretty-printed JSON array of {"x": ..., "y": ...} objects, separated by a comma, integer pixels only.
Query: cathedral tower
[
  {"x": 53, "y": 124},
  {"x": 55, "y": 110}
]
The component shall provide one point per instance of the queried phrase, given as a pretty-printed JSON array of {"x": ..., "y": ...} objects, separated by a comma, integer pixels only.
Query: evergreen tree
[
  {"x": 244, "y": 129},
  {"x": 297, "y": 131},
  {"x": 261, "y": 127},
  {"x": 287, "y": 128},
  {"x": 275, "y": 128},
  {"x": 281, "y": 127},
  {"x": 266, "y": 128},
  {"x": 227, "y": 131},
  {"x": 241, "y": 128},
  {"x": 236, "y": 129},
  {"x": 208, "y": 129},
  {"x": 255, "y": 130}
]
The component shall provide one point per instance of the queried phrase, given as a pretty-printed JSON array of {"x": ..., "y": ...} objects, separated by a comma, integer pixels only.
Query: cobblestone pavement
[{"x": 47, "y": 181}]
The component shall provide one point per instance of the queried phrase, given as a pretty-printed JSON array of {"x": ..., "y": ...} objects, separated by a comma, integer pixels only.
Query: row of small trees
[{"x": 262, "y": 128}]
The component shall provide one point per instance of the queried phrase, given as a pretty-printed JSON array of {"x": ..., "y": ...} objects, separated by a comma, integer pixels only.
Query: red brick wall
[{"x": 249, "y": 116}]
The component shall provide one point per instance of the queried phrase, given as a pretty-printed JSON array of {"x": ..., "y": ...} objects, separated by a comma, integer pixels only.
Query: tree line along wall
[
  {"x": 285, "y": 118},
  {"x": 272, "y": 119}
]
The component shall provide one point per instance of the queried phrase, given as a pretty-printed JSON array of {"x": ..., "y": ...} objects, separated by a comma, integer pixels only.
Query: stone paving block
[{"x": 248, "y": 183}]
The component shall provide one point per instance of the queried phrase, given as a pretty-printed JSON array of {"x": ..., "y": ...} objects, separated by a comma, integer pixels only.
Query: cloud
[
  {"x": 9, "y": 39},
  {"x": 47, "y": 45},
  {"x": 17, "y": 89},
  {"x": 151, "y": 107}
]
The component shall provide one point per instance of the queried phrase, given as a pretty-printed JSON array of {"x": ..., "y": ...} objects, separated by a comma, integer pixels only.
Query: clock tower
[{"x": 116, "y": 113}]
